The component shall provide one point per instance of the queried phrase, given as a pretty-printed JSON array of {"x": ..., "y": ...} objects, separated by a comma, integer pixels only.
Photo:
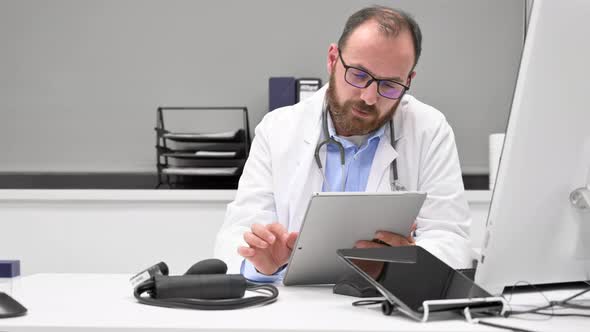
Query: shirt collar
[{"x": 377, "y": 134}]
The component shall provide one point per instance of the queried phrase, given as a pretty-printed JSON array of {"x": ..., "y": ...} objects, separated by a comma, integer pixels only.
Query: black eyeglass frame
[{"x": 373, "y": 79}]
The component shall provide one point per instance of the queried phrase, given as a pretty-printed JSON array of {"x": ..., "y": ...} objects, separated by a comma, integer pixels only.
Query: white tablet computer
[{"x": 336, "y": 220}]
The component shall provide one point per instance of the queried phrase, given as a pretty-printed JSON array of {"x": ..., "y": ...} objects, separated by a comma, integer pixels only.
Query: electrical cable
[
  {"x": 575, "y": 306},
  {"x": 361, "y": 303},
  {"x": 561, "y": 315},
  {"x": 540, "y": 310},
  {"x": 552, "y": 304},
  {"x": 506, "y": 327}
]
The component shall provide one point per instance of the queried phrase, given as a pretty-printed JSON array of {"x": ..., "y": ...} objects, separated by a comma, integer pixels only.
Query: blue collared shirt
[
  {"x": 357, "y": 162},
  {"x": 354, "y": 175}
]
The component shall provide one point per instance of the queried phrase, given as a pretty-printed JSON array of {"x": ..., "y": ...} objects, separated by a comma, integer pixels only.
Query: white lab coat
[{"x": 280, "y": 176}]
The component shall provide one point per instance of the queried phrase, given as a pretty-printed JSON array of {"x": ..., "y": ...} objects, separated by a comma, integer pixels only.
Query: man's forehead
[{"x": 384, "y": 56}]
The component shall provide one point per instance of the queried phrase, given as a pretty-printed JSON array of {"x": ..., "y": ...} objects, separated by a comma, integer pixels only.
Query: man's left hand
[{"x": 384, "y": 239}]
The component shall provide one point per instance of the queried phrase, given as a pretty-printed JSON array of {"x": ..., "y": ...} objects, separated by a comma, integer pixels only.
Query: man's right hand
[{"x": 269, "y": 248}]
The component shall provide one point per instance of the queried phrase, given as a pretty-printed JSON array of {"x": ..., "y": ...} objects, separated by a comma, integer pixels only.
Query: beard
[{"x": 345, "y": 122}]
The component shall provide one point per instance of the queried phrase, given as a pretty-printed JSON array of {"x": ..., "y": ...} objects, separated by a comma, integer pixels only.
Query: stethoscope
[{"x": 393, "y": 178}]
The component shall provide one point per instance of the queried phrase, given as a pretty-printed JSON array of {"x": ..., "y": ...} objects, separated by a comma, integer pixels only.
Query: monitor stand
[{"x": 355, "y": 285}]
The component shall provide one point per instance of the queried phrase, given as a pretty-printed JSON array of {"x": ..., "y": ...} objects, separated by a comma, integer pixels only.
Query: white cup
[{"x": 496, "y": 142}]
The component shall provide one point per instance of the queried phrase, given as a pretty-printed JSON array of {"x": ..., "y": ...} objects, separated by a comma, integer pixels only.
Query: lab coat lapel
[
  {"x": 379, "y": 175},
  {"x": 307, "y": 178},
  {"x": 379, "y": 178}
]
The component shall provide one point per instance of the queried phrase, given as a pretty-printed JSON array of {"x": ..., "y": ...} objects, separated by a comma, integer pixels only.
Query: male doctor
[{"x": 371, "y": 68}]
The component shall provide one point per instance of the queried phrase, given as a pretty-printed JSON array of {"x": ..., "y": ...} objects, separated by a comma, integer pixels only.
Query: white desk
[{"x": 76, "y": 302}]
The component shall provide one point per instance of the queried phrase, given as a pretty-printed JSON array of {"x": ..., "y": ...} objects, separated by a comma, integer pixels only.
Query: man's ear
[
  {"x": 332, "y": 58},
  {"x": 410, "y": 78}
]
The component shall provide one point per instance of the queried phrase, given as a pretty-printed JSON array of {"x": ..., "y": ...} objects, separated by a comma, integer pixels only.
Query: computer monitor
[{"x": 534, "y": 234}]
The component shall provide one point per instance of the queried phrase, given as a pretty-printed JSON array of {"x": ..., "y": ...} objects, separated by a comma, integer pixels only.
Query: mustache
[{"x": 361, "y": 106}]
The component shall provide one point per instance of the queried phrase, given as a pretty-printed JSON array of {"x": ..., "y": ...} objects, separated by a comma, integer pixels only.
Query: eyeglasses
[{"x": 361, "y": 79}]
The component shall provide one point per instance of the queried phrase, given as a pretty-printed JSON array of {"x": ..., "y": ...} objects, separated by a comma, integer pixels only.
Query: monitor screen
[{"x": 534, "y": 234}]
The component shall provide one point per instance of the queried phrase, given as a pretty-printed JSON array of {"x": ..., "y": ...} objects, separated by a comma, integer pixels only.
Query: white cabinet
[{"x": 123, "y": 231}]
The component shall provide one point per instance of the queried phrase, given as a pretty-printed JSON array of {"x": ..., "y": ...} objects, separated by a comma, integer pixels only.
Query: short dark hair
[{"x": 392, "y": 22}]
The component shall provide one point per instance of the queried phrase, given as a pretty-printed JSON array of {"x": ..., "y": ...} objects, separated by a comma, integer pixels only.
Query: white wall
[{"x": 80, "y": 80}]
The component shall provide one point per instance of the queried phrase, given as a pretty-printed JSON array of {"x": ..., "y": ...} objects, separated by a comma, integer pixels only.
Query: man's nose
[{"x": 369, "y": 94}]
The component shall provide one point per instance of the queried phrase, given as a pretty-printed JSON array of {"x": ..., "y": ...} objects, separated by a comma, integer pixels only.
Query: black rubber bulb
[{"x": 208, "y": 266}]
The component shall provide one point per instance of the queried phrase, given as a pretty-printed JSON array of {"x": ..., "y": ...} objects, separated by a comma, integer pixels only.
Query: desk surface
[{"x": 61, "y": 302}]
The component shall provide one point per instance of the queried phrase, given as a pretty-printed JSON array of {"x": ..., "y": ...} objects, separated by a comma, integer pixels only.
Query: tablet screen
[{"x": 412, "y": 275}]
